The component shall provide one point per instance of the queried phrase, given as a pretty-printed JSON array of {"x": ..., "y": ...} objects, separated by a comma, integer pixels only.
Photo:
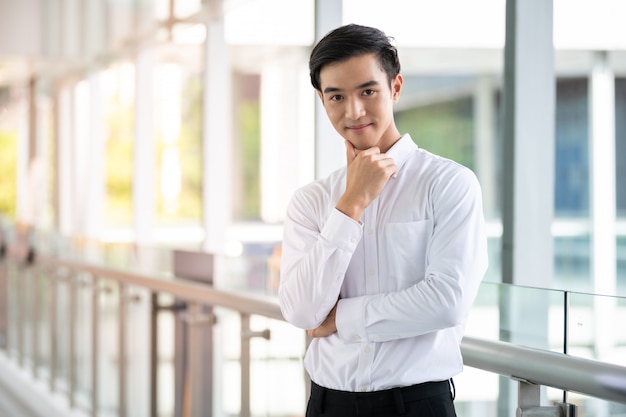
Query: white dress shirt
[{"x": 406, "y": 274}]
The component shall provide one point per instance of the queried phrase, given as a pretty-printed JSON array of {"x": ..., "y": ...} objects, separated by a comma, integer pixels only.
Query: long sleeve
[
  {"x": 318, "y": 244},
  {"x": 440, "y": 294}
]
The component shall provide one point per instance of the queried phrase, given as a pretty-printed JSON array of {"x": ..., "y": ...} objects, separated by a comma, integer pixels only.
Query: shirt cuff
[
  {"x": 349, "y": 320},
  {"x": 342, "y": 230}
]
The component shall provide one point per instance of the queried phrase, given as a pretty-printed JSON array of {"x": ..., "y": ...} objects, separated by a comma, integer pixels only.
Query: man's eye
[
  {"x": 368, "y": 92},
  {"x": 335, "y": 98}
]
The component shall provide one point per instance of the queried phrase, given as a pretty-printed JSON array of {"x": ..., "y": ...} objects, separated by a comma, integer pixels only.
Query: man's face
[{"x": 359, "y": 101}]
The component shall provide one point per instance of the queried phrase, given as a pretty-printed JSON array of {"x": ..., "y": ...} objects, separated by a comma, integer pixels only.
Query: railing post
[
  {"x": 529, "y": 403},
  {"x": 154, "y": 352},
  {"x": 19, "y": 310},
  {"x": 122, "y": 348},
  {"x": 53, "y": 294},
  {"x": 4, "y": 326},
  {"x": 568, "y": 409},
  {"x": 71, "y": 282},
  {"x": 245, "y": 366},
  {"x": 35, "y": 280},
  {"x": 95, "y": 341},
  {"x": 199, "y": 320}
]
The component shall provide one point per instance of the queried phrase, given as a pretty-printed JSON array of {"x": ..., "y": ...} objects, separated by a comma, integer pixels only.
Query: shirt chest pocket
[{"x": 404, "y": 248}]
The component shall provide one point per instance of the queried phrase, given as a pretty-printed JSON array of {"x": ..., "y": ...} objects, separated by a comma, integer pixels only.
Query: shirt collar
[{"x": 401, "y": 150}]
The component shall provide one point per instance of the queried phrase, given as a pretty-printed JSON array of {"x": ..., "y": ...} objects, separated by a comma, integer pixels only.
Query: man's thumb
[{"x": 350, "y": 152}]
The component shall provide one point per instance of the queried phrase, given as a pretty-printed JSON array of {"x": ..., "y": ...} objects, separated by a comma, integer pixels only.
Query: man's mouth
[{"x": 358, "y": 127}]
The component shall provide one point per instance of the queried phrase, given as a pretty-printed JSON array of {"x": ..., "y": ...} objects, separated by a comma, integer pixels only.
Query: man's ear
[
  {"x": 396, "y": 87},
  {"x": 320, "y": 95}
]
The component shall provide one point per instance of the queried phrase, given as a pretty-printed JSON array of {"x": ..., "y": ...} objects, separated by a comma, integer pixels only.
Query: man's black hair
[{"x": 349, "y": 41}]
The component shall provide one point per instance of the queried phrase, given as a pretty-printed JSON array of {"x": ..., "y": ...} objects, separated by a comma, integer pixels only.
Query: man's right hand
[{"x": 368, "y": 172}]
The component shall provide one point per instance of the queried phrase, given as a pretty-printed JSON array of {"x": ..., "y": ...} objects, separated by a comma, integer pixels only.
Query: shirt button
[
  {"x": 367, "y": 349},
  {"x": 371, "y": 271},
  {"x": 370, "y": 232},
  {"x": 363, "y": 389},
  {"x": 353, "y": 240}
]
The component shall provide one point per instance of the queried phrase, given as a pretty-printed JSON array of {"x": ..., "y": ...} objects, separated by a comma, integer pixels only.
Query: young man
[{"x": 381, "y": 260}]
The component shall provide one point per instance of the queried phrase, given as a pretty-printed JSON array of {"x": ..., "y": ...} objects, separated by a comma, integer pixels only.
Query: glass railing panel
[
  {"x": 521, "y": 315},
  {"x": 594, "y": 407},
  {"x": 620, "y": 254},
  {"x": 277, "y": 375},
  {"x": 596, "y": 331},
  {"x": 528, "y": 316}
]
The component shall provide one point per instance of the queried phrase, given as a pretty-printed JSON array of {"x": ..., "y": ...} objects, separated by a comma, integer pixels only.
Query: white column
[
  {"x": 529, "y": 94},
  {"x": 330, "y": 152},
  {"x": 287, "y": 139},
  {"x": 603, "y": 199},
  {"x": 64, "y": 209},
  {"x": 144, "y": 164},
  {"x": 528, "y": 177},
  {"x": 44, "y": 126},
  {"x": 217, "y": 136},
  {"x": 95, "y": 190},
  {"x": 81, "y": 156}
]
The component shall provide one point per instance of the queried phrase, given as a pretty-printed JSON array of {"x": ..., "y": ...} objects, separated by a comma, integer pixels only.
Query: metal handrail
[
  {"x": 584, "y": 376},
  {"x": 182, "y": 288},
  {"x": 541, "y": 367}
]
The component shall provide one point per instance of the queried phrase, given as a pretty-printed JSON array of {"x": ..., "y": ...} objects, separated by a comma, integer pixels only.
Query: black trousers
[{"x": 430, "y": 399}]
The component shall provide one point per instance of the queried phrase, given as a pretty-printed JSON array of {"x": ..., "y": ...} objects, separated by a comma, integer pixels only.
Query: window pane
[{"x": 572, "y": 154}]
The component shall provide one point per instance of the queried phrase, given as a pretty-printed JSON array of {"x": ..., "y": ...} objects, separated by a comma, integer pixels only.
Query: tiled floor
[{"x": 9, "y": 407}]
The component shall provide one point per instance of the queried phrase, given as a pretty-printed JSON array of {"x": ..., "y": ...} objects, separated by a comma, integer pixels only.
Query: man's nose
[{"x": 354, "y": 109}]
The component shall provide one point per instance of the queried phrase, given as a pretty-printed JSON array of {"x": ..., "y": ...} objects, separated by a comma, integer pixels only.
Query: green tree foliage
[{"x": 446, "y": 129}]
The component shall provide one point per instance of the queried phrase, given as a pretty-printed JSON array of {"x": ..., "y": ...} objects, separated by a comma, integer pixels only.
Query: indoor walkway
[{"x": 23, "y": 396}]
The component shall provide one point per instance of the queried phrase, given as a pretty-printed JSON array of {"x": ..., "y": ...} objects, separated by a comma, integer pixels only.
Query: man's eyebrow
[
  {"x": 331, "y": 90},
  {"x": 358, "y": 87}
]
